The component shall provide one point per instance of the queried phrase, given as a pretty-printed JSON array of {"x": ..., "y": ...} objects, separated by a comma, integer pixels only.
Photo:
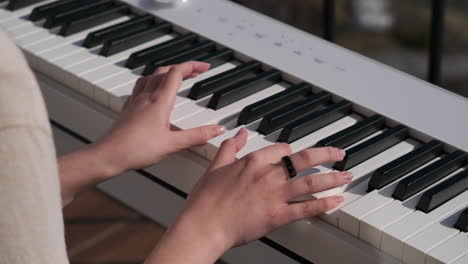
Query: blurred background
[{"x": 394, "y": 32}]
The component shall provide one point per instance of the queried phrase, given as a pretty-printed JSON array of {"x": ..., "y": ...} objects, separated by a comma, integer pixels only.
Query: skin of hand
[
  {"x": 141, "y": 137},
  {"x": 236, "y": 202}
]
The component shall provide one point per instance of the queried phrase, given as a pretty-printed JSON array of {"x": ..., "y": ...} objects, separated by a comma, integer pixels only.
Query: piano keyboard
[{"x": 409, "y": 195}]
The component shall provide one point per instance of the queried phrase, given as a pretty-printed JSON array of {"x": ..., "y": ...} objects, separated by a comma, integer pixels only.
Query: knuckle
[
  {"x": 309, "y": 182},
  {"x": 227, "y": 142},
  {"x": 306, "y": 156},
  {"x": 328, "y": 204},
  {"x": 140, "y": 81},
  {"x": 336, "y": 176},
  {"x": 331, "y": 152},
  {"x": 275, "y": 219},
  {"x": 285, "y": 147},
  {"x": 253, "y": 158},
  {"x": 308, "y": 209},
  {"x": 161, "y": 69},
  {"x": 205, "y": 134},
  {"x": 176, "y": 72}
]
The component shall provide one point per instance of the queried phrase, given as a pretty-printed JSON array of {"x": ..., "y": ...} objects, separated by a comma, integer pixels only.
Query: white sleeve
[{"x": 31, "y": 221}]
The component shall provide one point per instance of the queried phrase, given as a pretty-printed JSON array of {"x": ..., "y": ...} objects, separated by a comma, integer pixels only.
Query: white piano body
[{"x": 82, "y": 114}]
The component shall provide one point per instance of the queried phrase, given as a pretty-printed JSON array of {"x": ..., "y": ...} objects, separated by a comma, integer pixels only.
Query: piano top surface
[{"x": 418, "y": 104}]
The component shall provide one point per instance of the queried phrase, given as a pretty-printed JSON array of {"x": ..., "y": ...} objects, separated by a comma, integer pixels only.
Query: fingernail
[
  {"x": 348, "y": 176},
  {"x": 220, "y": 130},
  {"x": 339, "y": 200},
  {"x": 341, "y": 153}
]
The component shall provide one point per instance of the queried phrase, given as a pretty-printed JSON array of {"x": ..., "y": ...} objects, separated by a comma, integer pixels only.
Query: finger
[
  {"x": 298, "y": 211},
  {"x": 228, "y": 150},
  {"x": 188, "y": 69},
  {"x": 153, "y": 82},
  {"x": 170, "y": 84},
  {"x": 316, "y": 183},
  {"x": 140, "y": 85},
  {"x": 165, "y": 69},
  {"x": 197, "y": 136},
  {"x": 312, "y": 157},
  {"x": 273, "y": 153},
  {"x": 162, "y": 70},
  {"x": 137, "y": 89}
]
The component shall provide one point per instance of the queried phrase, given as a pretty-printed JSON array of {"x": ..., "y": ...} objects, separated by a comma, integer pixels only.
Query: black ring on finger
[{"x": 289, "y": 166}]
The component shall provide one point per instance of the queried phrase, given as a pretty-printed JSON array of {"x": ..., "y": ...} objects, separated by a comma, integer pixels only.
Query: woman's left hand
[{"x": 143, "y": 134}]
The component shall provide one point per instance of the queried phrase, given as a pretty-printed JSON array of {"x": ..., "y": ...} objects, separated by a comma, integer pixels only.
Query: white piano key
[
  {"x": 231, "y": 130},
  {"x": 205, "y": 115},
  {"x": 356, "y": 192},
  {"x": 351, "y": 215},
  {"x": 450, "y": 251},
  {"x": 34, "y": 38},
  {"x": 371, "y": 227},
  {"x": 70, "y": 68},
  {"x": 462, "y": 260},
  {"x": 416, "y": 247},
  {"x": 6, "y": 15},
  {"x": 395, "y": 235},
  {"x": 58, "y": 46},
  {"x": 12, "y": 24},
  {"x": 188, "y": 83},
  {"x": 61, "y": 71},
  {"x": 21, "y": 13},
  {"x": 261, "y": 141},
  {"x": 105, "y": 87},
  {"x": 89, "y": 79},
  {"x": 58, "y": 41},
  {"x": 310, "y": 140},
  {"x": 120, "y": 94},
  {"x": 361, "y": 175},
  {"x": 106, "y": 67},
  {"x": 24, "y": 30}
]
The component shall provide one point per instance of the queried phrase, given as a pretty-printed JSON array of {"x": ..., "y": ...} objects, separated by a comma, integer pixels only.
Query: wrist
[
  {"x": 106, "y": 166},
  {"x": 199, "y": 242}
]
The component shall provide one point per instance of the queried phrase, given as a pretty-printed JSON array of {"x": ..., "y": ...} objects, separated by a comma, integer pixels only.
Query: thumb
[
  {"x": 198, "y": 136},
  {"x": 228, "y": 150}
]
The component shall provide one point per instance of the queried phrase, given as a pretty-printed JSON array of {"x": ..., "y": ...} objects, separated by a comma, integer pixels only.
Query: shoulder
[{"x": 21, "y": 102}]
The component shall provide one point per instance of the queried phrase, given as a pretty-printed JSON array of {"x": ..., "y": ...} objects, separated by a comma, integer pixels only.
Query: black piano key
[
  {"x": 98, "y": 37},
  {"x": 43, "y": 11},
  {"x": 62, "y": 14},
  {"x": 204, "y": 56},
  {"x": 429, "y": 175},
  {"x": 224, "y": 79},
  {"x": 144, "y": 56},
  {"x": 314, "y": 121},
  {"x": 133, "y": 39},
  {"x": 372, "y": 147},
  {"x": 243, "y": 88},
  {"x": 462, "y": 222},
  {"x": 214, "y": 58},
  {"x": 17, "y": 4},
  {"x": 270, "y": 104},
  {"x": 292, "y": 112},
  {"x": 396, "y": 169},
  {"x": 191, "y": 53},
  {"x": 217, "y": 57},
  {"x": 442, "y": 192},
  {"x": 354, "y": 133},
  {"x": 93, "y": 18}
]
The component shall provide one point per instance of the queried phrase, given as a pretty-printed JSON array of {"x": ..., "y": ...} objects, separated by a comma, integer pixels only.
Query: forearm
[{"x": 83, "y": 169}]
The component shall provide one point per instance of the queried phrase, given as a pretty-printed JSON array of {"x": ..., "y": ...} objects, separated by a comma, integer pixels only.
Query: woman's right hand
[{"x": 236, "y": 202}]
